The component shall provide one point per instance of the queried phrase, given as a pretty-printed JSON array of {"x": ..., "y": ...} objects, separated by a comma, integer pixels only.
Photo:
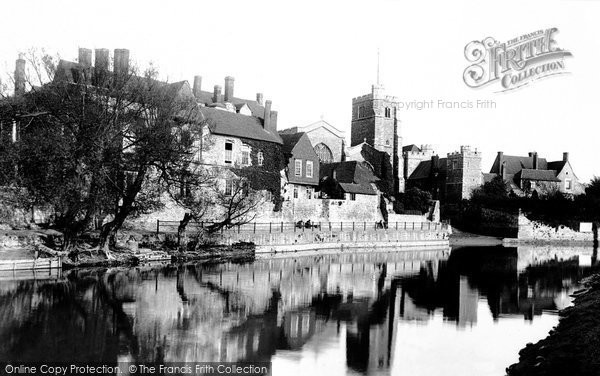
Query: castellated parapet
[{"x": 463, "y": 172}]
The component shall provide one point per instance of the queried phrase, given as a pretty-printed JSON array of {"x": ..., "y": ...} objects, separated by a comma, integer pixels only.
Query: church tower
[{"x": 375, "y": 121}]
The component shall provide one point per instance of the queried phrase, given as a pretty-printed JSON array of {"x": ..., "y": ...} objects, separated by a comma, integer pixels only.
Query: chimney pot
[
  {"x": 217, "y": 94},
  {"x": 259, "y": 98},
  {"x": 229, "y": 89},
  {"x": 197, "y": 86}
]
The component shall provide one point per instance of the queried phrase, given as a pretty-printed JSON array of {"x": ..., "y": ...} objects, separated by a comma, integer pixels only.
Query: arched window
[{"x": 324, "y": 153}]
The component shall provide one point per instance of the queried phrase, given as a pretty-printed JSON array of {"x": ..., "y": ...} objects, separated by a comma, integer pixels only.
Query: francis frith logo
[{"x": 514, "y": 63}]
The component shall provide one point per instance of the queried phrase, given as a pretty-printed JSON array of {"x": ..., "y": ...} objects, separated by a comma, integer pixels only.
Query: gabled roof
[
  {"x": 232, "y": 124},
  {"x": 538, "y": 175},
  {"x": 514, "y": 164},
  {"x": 411, "y": 147},
  {"x": 315, "y": 125},
  {"x": 557, "y": 166},
  {"x": 290, "y": 141}
]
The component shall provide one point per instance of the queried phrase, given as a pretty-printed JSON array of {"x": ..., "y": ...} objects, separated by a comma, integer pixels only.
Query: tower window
[{"x": 362, "y": 111}]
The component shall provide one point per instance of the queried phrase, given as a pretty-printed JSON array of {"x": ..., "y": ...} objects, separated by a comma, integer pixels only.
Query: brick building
[{"x": 375, "y": 122}]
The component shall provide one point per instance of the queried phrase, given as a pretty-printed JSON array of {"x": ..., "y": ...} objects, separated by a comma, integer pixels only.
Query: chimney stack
[
  {"x": 217, "y": 94},
  {"x": 259, "y": 98},
  {"x": 197, "y": 86},
  {"x": 229, "y": 89},
  {"x": 565, "y": 156},
  {"x": 102, "y": 59},
  {"x": 20, "y": 75},
  {"x": 274, "y": 121},
  {"x": 535, "y": 160},
  {"x": 85, "y": 57},
  {"x": 503, "y": 170},
  {"x": 101, "y": 63},
  {"x": 121, "y": 65},
  {"x": 267, "y": 116}
]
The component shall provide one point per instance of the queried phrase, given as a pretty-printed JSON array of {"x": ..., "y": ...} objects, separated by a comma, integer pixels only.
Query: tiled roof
[
  {"x": 539, "y": 175},
  {"x": 556, "y": 165},
  {"x": 256, "y": 109},
  {"x": 488, "y": 177},
  {"x": 348, "y": 172},
  {"x": 362, "y": 189},
  {"x": 290, "y": 141},
  {"x": 514, "y": 164},
  {"x": 232, "y": 124},
  {"x": 411, "y": 147},
  {"x": 423, "y": 169}
]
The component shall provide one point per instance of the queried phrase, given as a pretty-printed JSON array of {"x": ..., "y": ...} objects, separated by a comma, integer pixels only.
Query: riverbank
[
  {"x": 465, "y": 239},
  {"x": 573, "y": 347}
]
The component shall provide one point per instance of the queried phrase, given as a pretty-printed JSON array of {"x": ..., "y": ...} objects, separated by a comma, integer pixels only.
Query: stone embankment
[{"x": 535, "y": 232}]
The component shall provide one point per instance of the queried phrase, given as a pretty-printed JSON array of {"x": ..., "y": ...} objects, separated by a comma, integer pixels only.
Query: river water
[{"x": 464, "y": 312}]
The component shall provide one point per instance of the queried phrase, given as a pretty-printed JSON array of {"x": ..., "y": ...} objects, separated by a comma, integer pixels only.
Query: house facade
[
  {"x": 302, "y": 170},
  {"x": 533, "y": 175}
]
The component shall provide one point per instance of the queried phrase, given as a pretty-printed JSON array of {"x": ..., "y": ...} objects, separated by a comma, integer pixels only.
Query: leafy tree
[
  {"x": 98, "y": 150},
  {"x": 416, "y": 199}
]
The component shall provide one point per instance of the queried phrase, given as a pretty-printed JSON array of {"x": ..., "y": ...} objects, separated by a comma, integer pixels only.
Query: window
[
  {"x": 388, "y": 112},
  {"x": 261, "y": 158},
  {"x": 245, "y": 157},
  {"x": 352, "y": 196},
  {"x": 229, "y": 187},
  {"x": 309, "y": 193},
  {"x": 361, "y": 111},
  {"x": 295, "y": 192},
  {"x": 568, "y": 184},
  {"x": 309, "y": 169},
  {"x": 324, "y": 153},
  {"x": 454, "y": 164},
  {"x": 298, "y": 167},
  {"x": 228, "y": 151}
]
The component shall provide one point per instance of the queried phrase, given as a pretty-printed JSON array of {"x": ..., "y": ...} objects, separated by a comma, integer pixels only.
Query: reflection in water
[{"x": 349, "y": 313}]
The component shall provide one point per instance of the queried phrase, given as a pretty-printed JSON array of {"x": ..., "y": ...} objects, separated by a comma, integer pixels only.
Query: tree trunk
[{"x": 181, "y": 232}]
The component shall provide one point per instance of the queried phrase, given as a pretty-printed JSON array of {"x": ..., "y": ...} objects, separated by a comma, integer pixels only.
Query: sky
[{"x": 312, "y": 57}]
